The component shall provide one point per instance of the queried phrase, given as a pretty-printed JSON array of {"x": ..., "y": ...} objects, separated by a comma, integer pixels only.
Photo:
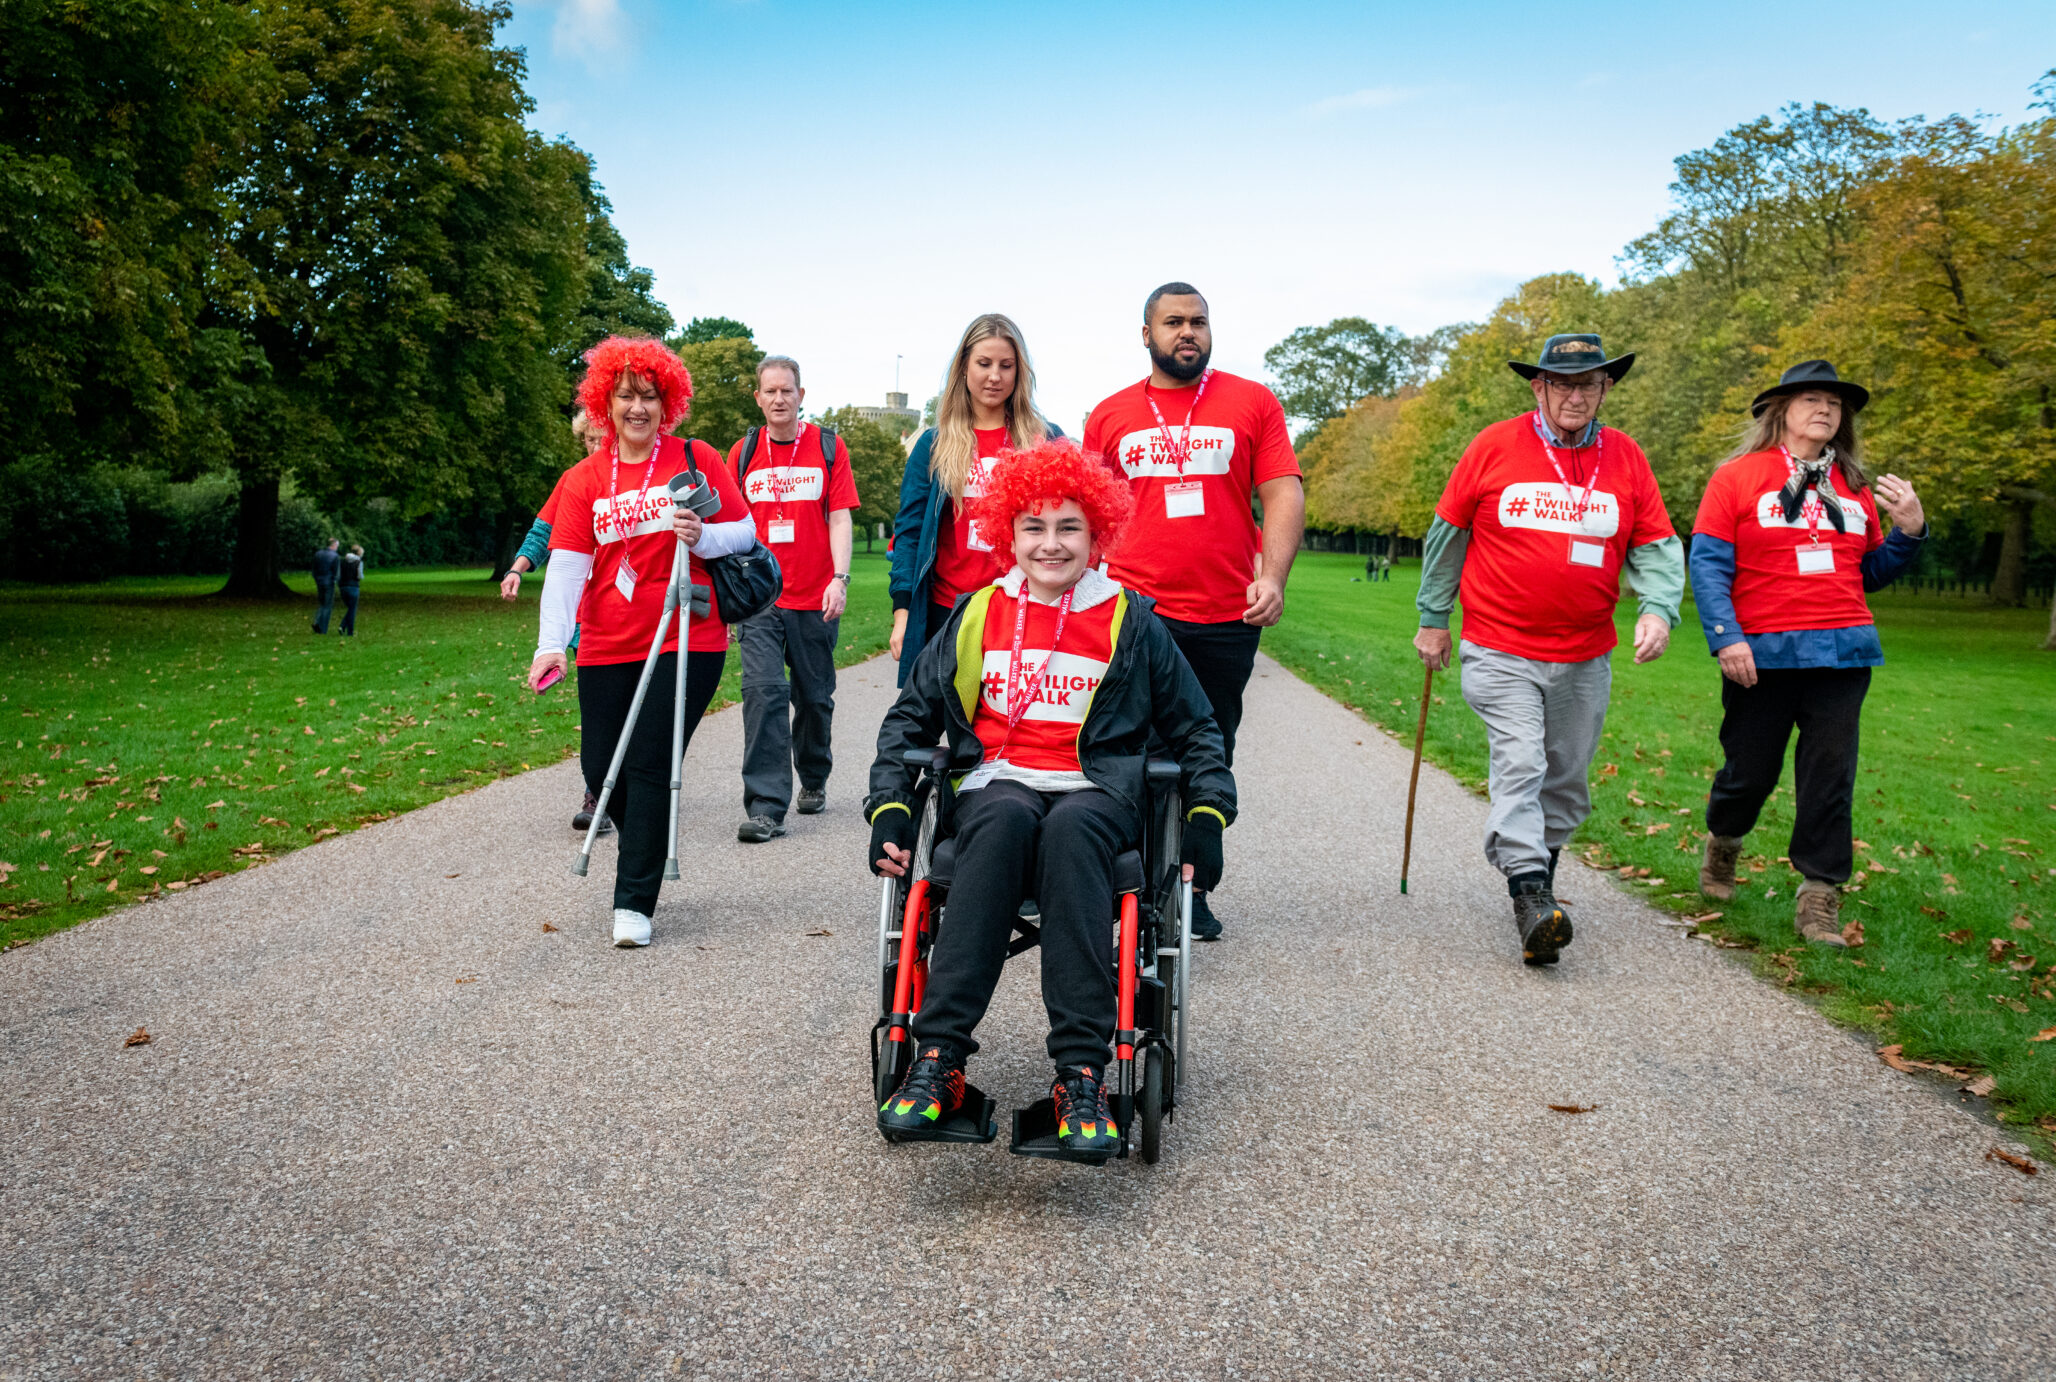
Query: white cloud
[
  {"x": 587, "y": 28},
  {"x": 1370, "y": 98}
]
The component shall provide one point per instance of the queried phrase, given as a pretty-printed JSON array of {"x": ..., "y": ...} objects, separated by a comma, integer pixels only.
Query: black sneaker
[
  {"x": 1544, "y": 927},
  {"x": 1205, "y": 925},
  {"x": 758, "y": 829},
  {"x": 582, "y": 818},
  {"x": 932, "y": 1091},
  {"x": 1084, "y": 1122},
  {"x": 813, "y": 801}
]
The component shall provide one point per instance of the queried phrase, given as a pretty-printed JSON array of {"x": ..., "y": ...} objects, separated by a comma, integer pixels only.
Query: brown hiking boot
[
  {"x": 1717, "y": 867},
  {"x": 1817, "y": 915}
]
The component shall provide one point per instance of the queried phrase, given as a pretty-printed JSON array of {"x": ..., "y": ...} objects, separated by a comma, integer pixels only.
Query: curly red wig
[
  {"x": 1047, "y": 473},
  {"x": 651, "y": 359}
]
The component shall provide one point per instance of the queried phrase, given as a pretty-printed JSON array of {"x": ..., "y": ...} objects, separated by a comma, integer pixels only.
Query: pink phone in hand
[{"x": 550, "y": 678}]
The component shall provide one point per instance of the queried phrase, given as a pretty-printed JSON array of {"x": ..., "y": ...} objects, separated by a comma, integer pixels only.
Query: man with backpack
[{"x": 797, "y": 480}]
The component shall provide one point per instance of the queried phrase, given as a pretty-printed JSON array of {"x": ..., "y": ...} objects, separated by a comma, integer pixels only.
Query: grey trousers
[
  {"x": 785, "y": 724},
  {"x": 1542, "y": 724}
]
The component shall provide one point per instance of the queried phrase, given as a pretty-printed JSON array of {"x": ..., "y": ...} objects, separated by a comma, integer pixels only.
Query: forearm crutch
[{"x": 1413, "y": 783}]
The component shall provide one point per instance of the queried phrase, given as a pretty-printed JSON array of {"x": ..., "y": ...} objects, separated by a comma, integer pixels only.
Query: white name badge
[
  {"x": 1816, "y": 559},
  {"x": 979, "y": 776},
  {"x": 624, "y": 580},
  {"x": 1185, "y": 499},
  {"x": 781, "y": 532},
  {"x": 1588, "y": 553}
]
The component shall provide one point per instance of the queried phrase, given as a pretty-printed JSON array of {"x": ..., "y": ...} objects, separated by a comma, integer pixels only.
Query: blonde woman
[{"x": 987, "y": 405}]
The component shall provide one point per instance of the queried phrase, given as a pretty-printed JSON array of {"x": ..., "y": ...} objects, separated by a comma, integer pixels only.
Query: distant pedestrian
[
  {"x": 1782, "y": 554},
  {"x": 352, "y": 577},
  {"x": 1535, "y": 549},
  {"x": 1384, "y": 568},
  {"x": 797, "y": 480},
  {"x": 327, "y": 564}
]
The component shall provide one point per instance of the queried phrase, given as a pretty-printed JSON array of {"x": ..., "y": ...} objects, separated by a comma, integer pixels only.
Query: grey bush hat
[{"x": 1573, "y": 353}]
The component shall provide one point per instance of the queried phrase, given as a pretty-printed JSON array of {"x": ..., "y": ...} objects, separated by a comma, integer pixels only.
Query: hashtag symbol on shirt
[
  {"x": 1133, "y": 455},
  {"x": 1516, "y": 507},
  {"x": 994, "y": 684}
]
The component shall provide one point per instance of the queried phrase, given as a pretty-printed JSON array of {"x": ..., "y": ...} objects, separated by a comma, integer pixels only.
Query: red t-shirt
[
  {"x": 548, "y": 512},
  {"x": 783, "y": 488},
  {"x": 964, "y": 560},
  {"x": 1047, "y": 737},
  {"x": 1773, "y": 593},
  {"x": 1193, "y": 543},
  {"x": 617, "y": 628},
  {"x": 1536, "y": 582}
]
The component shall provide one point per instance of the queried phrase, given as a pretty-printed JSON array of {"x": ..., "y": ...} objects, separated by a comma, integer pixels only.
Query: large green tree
[
  {"x": 876, "y": 462},
  {"x": 724, "y": 387}
]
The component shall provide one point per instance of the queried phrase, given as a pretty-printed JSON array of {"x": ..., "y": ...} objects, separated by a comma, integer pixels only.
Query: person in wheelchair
[{"x": 1048, "y": 684}]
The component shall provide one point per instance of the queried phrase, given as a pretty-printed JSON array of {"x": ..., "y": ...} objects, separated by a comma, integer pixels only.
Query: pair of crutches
[{"x": 689, "y": 489}]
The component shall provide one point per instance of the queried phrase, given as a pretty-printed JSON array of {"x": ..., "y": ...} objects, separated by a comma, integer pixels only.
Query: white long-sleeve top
[{"x": 567, "y": 572}]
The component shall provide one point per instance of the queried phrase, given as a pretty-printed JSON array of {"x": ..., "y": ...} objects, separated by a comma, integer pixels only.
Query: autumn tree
[{"x": 877, "y": 461}]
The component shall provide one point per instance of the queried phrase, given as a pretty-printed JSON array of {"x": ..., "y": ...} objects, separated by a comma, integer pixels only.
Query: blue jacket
[{"x": 914, "y": 536}]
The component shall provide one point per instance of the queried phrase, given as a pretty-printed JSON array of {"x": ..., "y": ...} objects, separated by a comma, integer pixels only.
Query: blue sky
[{"x": 857, "y": 181}]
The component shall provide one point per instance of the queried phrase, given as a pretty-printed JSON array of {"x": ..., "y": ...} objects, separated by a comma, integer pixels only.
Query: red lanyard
[
  {"x": 1578, "y": 503},
  {"x": 780, "y": 486},
  {"x": 1813, "y": 510},
  {"x": 614, "y": 484},
  {"x": 1181, "y": 450},
  {"x": 1018, "y": 697}
]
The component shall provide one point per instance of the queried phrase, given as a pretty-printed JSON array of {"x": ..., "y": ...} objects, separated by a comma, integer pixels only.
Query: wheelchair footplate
[
  {"x": 973, "y": 1122},
  {"x": 1035, "y": 1134}
]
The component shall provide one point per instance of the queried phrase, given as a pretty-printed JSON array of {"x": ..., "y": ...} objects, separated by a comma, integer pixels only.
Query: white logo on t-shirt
[
  {"x": 1545, "y": 506},
  {"x": 641, "y": 512},
  {"x": 1063, "y": 693},
  {"x": 1143, "y": 453},
  {"x": 1771, "y": 514},
  {"x": 774, "y": 484}
]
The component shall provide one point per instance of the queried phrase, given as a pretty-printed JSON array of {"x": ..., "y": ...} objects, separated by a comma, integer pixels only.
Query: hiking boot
[
  {"x": 758, "y": 829},
  {"x": 582, "y": 818},
  {"x": 1717, "y": 867},
  {"x": 1205, "y": 925},
  {"x": 1544, "y": 928},
  {"x": 1817, "y": 915},
  {"x": 1084, "y": 1122},
  {"x": 932, "y": 1091},
  {"x": 631, "y": 929},
  {"x": 813, "y": 801}
]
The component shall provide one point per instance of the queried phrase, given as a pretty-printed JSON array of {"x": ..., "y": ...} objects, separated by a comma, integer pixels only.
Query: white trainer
[{"x": 630, "y": 928}]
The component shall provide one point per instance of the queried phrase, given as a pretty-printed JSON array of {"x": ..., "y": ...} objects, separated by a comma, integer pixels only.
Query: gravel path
[{"x": 391, "y": 1127}]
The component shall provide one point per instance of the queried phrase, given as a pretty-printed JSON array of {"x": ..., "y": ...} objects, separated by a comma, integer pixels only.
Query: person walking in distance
[
  {"x": 1538, "y": 521},
  {"x": 351, "y": 578},
  {"x": 796, "y": 478},
  {"x": 1194, "y": 443},
  {"x": 327, "y": 565}
]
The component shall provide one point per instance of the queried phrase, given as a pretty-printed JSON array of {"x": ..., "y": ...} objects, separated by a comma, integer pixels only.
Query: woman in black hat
[{"x": 1786, "y": 543}]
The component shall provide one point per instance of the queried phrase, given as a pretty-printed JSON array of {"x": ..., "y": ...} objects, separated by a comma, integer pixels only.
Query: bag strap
[
  {"x": 749, "y": 450},
  {"x": 827, "y": 469}
]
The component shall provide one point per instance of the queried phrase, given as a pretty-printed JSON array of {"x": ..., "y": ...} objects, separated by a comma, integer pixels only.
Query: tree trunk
[
  {"x": 253, "y": 568},
  {"x": 507, "y": 535},
  {"x": 2049, "y": 643},
  {"x": 2009, "y": 581}
]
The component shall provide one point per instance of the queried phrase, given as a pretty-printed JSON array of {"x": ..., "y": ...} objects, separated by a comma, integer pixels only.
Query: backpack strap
[
  {"x": 827, "y": 469},
  {"x": 749, "y": 449}
]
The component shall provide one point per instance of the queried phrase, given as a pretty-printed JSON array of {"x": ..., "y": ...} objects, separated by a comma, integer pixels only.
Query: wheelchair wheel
[
  {"x": 1151, "y": 1104},
  {"x": 891, "y": 1059}
]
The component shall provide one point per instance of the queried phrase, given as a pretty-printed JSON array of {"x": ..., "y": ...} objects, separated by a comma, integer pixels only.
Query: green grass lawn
[
  {"x": 1956, "y": 810},
  {"x": 164, "y": 737}
]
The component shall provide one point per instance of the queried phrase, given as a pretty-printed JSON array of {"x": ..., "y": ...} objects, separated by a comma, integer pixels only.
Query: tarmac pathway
[{"x": 391, "y": 1127}]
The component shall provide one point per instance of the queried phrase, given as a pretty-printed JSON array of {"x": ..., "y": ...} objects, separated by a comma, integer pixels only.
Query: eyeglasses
[{"x": 1592, "y": 386}]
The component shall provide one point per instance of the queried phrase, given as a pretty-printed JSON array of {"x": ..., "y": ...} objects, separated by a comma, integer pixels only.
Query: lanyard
[
  {"x": 780, "y": 486},
  {"x": 1018, "y": 697},
  {"x": 1578, "y": 502},
  {"x": 1181, "y": 450},
  {"x": 1814, "y": 510},
  {"x": 614, "y": 484}
]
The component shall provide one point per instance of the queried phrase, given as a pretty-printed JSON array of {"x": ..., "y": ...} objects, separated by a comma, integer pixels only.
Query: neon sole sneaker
[
  {"x": 1084, "y": 1122},
  {"x": 932, "y": 1091}
]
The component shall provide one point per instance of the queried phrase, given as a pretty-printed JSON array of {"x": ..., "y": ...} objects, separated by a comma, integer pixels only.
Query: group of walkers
[
  {"x": 1059, "y": 608},
  {"x": 337, "y": 572}
]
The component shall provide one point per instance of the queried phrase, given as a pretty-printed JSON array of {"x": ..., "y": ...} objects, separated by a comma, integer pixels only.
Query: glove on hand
[
  {"x": 1203, "y": 850},
  {"x": 894, "y": 825}
]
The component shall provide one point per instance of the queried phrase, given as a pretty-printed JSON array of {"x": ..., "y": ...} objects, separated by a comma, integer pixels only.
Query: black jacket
[
  {"x": 325, "y": 564},
  {"x": 1147, "y": 686},
  {"x": 353, "y": 569}
]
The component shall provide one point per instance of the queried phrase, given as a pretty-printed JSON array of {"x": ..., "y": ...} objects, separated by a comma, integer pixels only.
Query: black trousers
[
  {"x": 349, "y": 594},
  {"x": 641, "y": 804},
  {"x": 1825, "y": 705},
  {"x": 786, "y": 724},
  {"x": 1222, "y": 657},
  {"x": 1058, "y": 847}
]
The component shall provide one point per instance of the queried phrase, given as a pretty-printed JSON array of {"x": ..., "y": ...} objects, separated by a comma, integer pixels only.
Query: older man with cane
[{"x": 1538, "y": 522}]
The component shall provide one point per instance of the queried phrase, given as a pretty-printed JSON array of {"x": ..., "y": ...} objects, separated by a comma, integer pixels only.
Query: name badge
[
  {"x": 973, "y": 541},
  {"x": 1587, "y": 553},
  {"x": 624, "y": 579},
  {"x": 1184, "y": 499},
  {"x": 781, "y": 532},
  {"x": 1816, "y": 559},
  {"x": 979, "y": 776}
]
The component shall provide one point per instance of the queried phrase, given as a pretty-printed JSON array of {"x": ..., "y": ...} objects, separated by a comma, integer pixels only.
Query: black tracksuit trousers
[
  {"x": 1221, "y": 656},
  {"x": 641, "y": 804},
  {"x": 1058, "y": 847},
  {"x": 1824, "y": 704}
]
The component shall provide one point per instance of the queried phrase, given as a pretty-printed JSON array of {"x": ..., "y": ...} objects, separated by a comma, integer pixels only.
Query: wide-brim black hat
[
  {"x": 1812, "y": 374},
  {"x": 1573, "y": 354}
]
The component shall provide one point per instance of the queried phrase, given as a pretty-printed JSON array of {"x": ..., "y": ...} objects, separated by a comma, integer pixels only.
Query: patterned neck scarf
[{"x": 1812, "y": 475}]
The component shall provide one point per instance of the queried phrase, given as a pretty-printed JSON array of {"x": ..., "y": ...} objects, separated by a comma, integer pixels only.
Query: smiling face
[
  {"x": 638, "y": 410},
  {"x": 990, "y": 370},
  {"x": 1811, "y": 420},
  {"x": 1053, "y": 547}
]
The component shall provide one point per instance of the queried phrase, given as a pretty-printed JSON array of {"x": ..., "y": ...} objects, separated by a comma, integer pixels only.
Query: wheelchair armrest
[
  {"x": 1163, "y": 771},
  {"x": 933, "y": 759}
]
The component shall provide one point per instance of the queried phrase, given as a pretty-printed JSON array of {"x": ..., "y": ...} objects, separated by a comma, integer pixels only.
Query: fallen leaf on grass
[
  {"x": 1852, "y": 934},
  {"x": 214, "y": 805},
  {"x": 1954, "y": 937},
  {"x": 1574, "y": 1108},
  {"x": 2018, "y": 1163},
  {"x": 149, "y": 869},
  {"x": 1981, "y": 1087},
  {"x": 2003, "y": 1000},
  {"x": 139, "y": 1037},
  {"x": 2046, "y": 1034},
  {"x": 2021, "y": 924},
  {"x": 274, "y": 820},
  {"x": 325, "y": 832},
  {"x": 1659, "y": 826},
  {"x": 820, "y": 931},
  {"x": 1890, "y": 1056},
  {"x": 2019, "y": 966},
  {"x": 547, "y": 928},
  {"x": 1705, "y": 917},
  {"x": 1996, "y": 948}
]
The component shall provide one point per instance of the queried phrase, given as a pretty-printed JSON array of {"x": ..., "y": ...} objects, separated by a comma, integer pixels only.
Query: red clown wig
[
  {"x": 1044, "y": 475},
  {"x": 643, "y": 357}
]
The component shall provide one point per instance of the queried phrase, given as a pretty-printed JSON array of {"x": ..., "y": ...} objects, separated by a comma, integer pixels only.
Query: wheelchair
[{"x": 1152, "y": 962}]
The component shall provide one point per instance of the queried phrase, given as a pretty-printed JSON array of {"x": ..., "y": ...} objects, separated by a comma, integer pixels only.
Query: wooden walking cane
[{"x": 1413, "y": 783}]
